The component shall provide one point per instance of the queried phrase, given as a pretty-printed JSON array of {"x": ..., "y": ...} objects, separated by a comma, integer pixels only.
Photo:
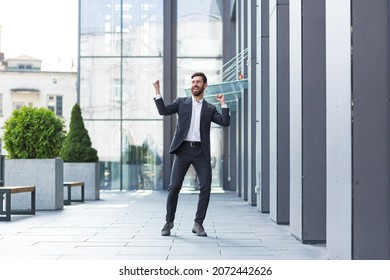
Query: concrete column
[
  {"x": 242, "y": 12},
  {"x": 252, "y": 169},
  {"x": 229, "y": 51},
  {"x": 233, "y": 155},
  {"x": 338, "y": 129},
  {"x": 308, "y": 121},
  {"x": 263, "y": 108},
  {"x": 170, "y": 80},
  {"x": 358, "y": 132},
  {"x": 279, "y": 112},
  {"x": 238, "y": 149},
  {"x": 371, "y": 130}
]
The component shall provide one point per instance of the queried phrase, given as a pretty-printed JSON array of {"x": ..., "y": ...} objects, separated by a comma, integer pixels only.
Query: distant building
[
  {"x": 24, "y": 63},
  {"x": 22, "y": 83}
]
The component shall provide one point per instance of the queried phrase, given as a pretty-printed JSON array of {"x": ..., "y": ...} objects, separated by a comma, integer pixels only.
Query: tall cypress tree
[{"x": 78, "y": 145}]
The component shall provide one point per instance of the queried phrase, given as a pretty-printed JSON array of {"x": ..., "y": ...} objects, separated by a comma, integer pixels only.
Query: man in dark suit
[{"x": 191, "y": 145}]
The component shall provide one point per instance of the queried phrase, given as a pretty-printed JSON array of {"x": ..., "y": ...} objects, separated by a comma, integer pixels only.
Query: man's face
[{"x": 198, "y": 86}]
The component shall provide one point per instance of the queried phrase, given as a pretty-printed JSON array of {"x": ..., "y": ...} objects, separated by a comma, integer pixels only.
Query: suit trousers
[{"x": 185, "y": 156}]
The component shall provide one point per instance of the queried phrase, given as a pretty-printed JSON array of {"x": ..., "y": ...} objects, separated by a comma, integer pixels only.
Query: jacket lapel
[
  {"x": 188, "y": 103},
  {"x": 204, "y": 108}
]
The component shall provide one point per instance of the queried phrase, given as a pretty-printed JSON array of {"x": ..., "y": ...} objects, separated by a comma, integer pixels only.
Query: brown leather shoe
[
  {"x": 166, "y": 231},
  {"x": 199, "y": 230}
]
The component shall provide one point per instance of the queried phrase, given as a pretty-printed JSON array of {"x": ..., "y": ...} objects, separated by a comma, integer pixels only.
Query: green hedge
[{"x": 33, "y": 133}]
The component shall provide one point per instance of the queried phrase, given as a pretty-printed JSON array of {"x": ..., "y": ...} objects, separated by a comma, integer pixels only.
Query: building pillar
[
  {"x": 242, "y": 14},
  {"x": 251, "y": 97},
  {"x": 239, "y": 144},
  {"x": 231, "y": 164},
  {"x": 279, "y": 112},
  {"x": 263, "y": 137},
  {"x": 308, "y": 121},
  {"x": 229, "y": 51},
  {"x": 358, "y": 131},
  {"x": 170, "y": 81}
]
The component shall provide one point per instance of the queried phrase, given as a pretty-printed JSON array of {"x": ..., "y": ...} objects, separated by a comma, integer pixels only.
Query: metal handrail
[{"x": 232, "y": 69}]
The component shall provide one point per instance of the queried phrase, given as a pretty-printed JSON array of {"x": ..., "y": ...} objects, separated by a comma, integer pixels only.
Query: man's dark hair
[{"x": 201, "y": 75}]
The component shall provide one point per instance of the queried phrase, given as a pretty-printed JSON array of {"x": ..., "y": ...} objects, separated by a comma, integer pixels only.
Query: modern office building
[{"x": 307, "y": 82}]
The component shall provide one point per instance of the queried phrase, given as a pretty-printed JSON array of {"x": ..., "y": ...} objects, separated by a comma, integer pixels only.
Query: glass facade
[
  {"x": 199, "y": 49},
  {"x": 121, "y": 53},
  {"x": 199, "y": 40}
]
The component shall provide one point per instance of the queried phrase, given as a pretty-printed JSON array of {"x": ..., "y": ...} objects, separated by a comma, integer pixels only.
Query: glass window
[
  {"x": 59, "y": 105},
  {"x": 142, "y": 151},
  {"x": 105, "y": 31},
  {"x": 54, "y": 103},
  {"x": 23, "y": 67},
  {"x": 105, "y": 137},
  {"x": 138, "y": 92},
  {"x": 141, "y": 157},
  {"x": 142, "y": 28},
  {"x": 116, "y": 92},
  {"x": 100, "y": 27},
  {"x": 99, "y": 88},
  {"x": 18, "y": 105},
  {"x": 199, "y": 28}
]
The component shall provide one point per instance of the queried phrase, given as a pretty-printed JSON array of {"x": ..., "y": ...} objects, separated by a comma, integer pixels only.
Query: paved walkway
[{"x": 127, "y": 225}]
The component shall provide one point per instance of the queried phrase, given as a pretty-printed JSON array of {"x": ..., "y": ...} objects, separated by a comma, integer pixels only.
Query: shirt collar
[{"x": 196, "y": 101}]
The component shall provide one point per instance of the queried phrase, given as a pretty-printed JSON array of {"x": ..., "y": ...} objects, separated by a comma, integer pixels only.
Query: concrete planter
[
  {"x": 45, "y": 174},
  {"x": 88, "y": 172}
]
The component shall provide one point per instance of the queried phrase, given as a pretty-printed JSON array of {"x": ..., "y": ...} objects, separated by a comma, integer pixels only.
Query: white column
[
  {"x": 273, "y": 107},
  {"x": 339, "y": 141},
  {"x": 296, "y": 117}
]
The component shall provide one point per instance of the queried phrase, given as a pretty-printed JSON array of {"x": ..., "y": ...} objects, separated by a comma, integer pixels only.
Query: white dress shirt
[{"x": 194, "y": 130}]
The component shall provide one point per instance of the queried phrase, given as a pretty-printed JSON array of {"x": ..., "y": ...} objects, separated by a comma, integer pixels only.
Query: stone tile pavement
[{"x": 127, "y": 225}]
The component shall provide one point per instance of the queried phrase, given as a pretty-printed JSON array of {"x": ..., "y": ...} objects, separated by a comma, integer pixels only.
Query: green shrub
[
  {"x": 78, "y": 145},
  {"x": 33, "y": 133}
]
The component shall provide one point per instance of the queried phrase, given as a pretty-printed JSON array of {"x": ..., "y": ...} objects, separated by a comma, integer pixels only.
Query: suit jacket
[{"x": 183, "y": 107}]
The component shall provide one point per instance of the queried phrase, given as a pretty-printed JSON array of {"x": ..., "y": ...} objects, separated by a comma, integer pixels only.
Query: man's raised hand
[
  {"x": 220, "y": 98},
  {"x": 156, "y": 85}
]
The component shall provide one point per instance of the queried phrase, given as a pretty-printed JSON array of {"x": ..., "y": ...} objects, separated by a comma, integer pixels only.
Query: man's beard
[{"x": 199, "y": 92}]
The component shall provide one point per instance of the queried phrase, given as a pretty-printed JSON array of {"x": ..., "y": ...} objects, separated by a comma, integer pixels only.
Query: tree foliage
[
  {"x": 33, "y": 133},
  {"x": 78, "y": 145}
]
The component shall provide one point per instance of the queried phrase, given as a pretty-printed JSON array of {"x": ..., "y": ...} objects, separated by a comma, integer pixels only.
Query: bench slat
[
  {"x": 74, "y": 184},
  {"x": 19, "y": 189}
]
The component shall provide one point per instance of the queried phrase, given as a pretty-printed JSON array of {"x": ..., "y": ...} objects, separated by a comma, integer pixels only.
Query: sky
[{"x": 43, "y": 29}]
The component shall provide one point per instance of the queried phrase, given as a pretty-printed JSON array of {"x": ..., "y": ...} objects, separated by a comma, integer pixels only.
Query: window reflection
[
  {"x": 99, "y": 83},
  {"x": 137, "y": 96},
  {"x": 137, "y": 30},
  {"x": 199, "y": 28},
  {"x": 142, "y": 28},
  {"x": 142, "y": 152}
]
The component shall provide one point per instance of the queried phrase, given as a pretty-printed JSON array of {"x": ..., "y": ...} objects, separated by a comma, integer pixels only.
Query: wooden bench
[
  {"x": 69, "y": 186},
  {"x": 5, "y": 193}
]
